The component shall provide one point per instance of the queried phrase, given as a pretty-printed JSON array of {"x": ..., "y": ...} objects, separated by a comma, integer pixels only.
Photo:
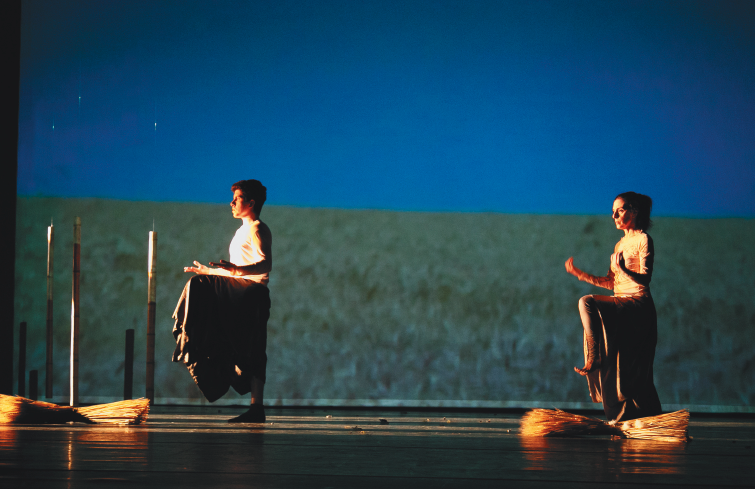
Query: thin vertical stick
[
  {"x": 151, "y": 308},
  {"x": 48, "y": 364},
  {"x": 22, "y": 359},
  {"x": 75, "y": 312},
  {"x": 128, "y": 366},
  {"x": 6, "y": 378},
  {"x": 33, "y": 385}
]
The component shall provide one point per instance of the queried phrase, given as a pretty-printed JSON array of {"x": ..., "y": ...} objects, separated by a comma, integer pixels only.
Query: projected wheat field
[{"x": 394, "y": 307}]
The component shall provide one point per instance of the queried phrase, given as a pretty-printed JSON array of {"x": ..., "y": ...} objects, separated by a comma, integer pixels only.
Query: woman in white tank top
[{"x": 620, "y": 331}]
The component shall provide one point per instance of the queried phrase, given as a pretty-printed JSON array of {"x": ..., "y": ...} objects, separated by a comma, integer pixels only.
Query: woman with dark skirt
[
  {"x": 620, "y": 331},
  {"x": 221, "y": 317}
]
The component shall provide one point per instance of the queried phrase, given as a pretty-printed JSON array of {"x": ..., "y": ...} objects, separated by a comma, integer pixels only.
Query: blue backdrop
[{"x": 523, "y": 107}]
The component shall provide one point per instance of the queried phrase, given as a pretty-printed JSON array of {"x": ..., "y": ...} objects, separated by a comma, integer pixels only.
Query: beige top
[
  {"x": 638, "y": 255},
  {"x": 252, "y": 245}
]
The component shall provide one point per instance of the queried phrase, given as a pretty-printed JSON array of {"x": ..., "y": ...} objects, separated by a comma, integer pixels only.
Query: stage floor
[{"x": 319, "y": 448}]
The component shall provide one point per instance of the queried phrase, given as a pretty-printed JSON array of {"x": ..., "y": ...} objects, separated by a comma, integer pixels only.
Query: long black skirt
[
  {"x": 221, "y": 333},
  {"x": 624, "y": 382}
]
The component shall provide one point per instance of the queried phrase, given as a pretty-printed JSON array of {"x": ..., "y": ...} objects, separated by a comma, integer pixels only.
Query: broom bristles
[
  {"x": 130, "y": 411},
  {"x": 554, "y": 422},
  {"x": 672, "y": 426},
  {"x": 15, "y": 409}
]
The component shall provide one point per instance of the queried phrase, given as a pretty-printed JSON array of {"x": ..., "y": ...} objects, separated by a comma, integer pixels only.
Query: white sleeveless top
[
  {"x": 638, "y": 257},
  {"x": 252, "y": 244}
]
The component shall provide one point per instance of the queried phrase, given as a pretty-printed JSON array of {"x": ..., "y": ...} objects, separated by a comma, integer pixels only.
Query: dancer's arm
[
  {"x": 605, "y": 282},
  {"x": 261, "y": 241},
  {"x": 200, "y": 269},
  {"x": 646, "y": 257},
  {"x": 232, "y": 270},
  {"x": 228, "y": 269}
]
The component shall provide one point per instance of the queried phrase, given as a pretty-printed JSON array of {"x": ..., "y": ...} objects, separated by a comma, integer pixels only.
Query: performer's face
[
  {"x": 239, "y": 207},
  {"x": 624, "y": 218}
]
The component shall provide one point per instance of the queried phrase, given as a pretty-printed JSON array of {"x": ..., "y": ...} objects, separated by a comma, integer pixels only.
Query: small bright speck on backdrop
[{"x": 430, "y": 165}]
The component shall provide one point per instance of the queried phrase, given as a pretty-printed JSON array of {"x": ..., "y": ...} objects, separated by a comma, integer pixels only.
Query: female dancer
[
  {"x": 221, "y": 317},
  {"x": 620, "y": 332}
]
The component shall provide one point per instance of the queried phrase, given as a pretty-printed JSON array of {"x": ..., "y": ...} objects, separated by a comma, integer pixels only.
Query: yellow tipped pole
[
  {"x": 151, "y": 308},
  {"x": 75, "y": 312},
  {"x": 48, "y": 363}
]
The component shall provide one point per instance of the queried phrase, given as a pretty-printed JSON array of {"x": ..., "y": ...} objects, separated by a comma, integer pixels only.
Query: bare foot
[
  {"x": 589, "y": 367},
  {"x": 255, "y": 414}
]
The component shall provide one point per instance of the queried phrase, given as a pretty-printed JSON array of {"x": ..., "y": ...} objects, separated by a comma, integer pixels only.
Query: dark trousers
[{"x": 221, "y": 333}]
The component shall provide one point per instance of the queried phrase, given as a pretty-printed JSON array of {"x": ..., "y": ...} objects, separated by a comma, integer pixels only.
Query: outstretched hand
[
  {"x": 198, "y": 269},
  {"x": 571, "y": 269},
  {"x": 225, "y": 265}
]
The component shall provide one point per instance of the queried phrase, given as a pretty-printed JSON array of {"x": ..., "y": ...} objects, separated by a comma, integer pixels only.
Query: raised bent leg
[{"x": 593, "y": 327}]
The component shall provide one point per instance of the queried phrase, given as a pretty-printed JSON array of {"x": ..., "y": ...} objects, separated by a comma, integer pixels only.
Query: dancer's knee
[
  {"x": 199, "y": 281},
  {"x": 198, "y": 285},
  {"x": 587, "y": 304}
]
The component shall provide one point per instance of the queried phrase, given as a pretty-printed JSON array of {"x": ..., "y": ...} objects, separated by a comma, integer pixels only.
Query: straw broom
[
  {"x": 554, "y": 422},
  {"x": 15, "y": 409},
  {"x": 130, "y": 411},
  {"x": 665, "y": 427}
]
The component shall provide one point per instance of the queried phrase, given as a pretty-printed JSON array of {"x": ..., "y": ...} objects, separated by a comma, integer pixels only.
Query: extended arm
[
  {"x": 257, "y": 248},
  {"x": 228, "y": 269},
  {"x": 200, "y": 269},
  {"x": 232, "y": 270},
  {"x": 255, "y": 257},
  {"x": 605, "y": 282}
]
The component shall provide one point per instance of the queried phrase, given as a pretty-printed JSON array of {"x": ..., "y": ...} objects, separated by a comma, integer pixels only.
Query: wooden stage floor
[{"x": 306, "y": 448}]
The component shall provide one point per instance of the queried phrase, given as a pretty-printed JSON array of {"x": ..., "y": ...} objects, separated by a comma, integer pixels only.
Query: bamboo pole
[
  {"x": 151, "y": 308},
  {"x": 33, "y": 385},
  {"x": 6, "y": 375},
  {"x": 22, "y": 359},
  {"x": 48, "y": 363},
  {"x": 128, "y": 366},
  {"x": 75, "y": 312}
]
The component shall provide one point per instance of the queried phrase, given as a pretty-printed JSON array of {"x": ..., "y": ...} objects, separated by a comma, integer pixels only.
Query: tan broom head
[
  {"x": 15, "y": 409},
  {"x": 554, "y": 422},
  {"x": 130, "y": 411}
]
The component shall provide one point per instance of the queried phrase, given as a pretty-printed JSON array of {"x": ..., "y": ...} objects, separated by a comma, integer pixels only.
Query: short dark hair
[
  {"x": 252, "y": 190},
  {"x": 642, "y": 205}
]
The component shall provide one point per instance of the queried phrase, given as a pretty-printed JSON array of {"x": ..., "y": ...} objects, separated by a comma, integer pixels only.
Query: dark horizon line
[{"x": 383, "y": 209}]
